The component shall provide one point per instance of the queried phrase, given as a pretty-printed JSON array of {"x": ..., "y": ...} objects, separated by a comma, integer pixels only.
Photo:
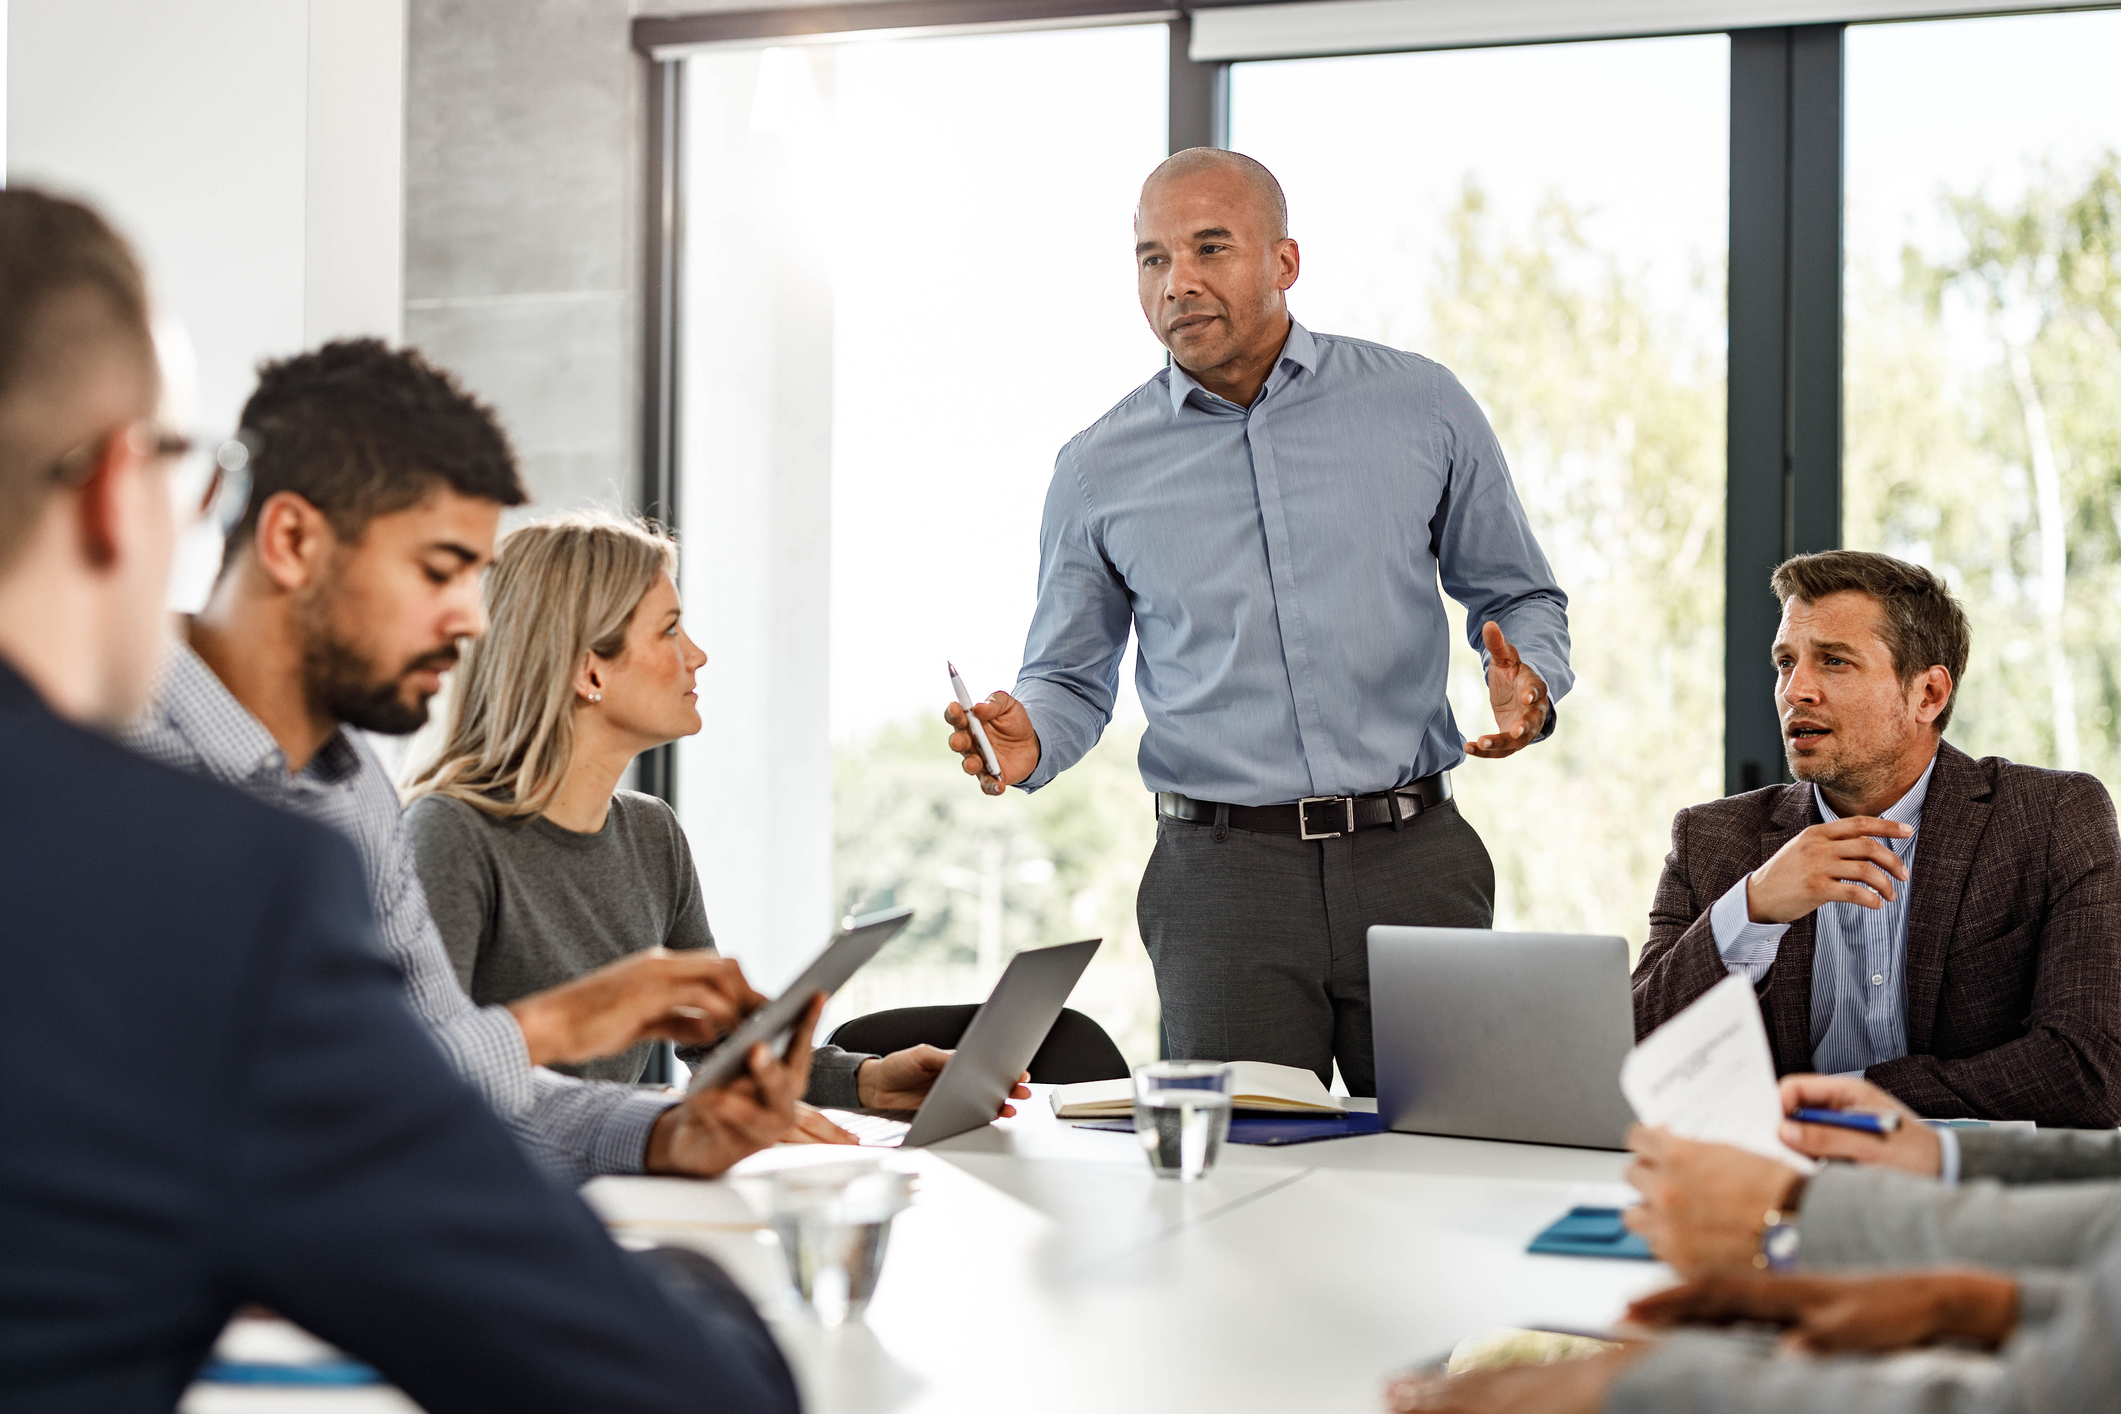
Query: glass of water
[
  {"x": 1182, "y": 1115},
  {"x": 834, "y": 1222}
]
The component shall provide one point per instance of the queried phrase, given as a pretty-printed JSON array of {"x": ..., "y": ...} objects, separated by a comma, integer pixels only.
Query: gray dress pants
[{"x": 1260, "y": 942}]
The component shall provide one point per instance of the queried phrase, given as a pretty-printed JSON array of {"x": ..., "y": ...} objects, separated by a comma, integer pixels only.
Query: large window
[
  {"x": 908, "y": 281},
  {"x": 1549, "y": 223},
  {"x": 1983, "y": 367}
]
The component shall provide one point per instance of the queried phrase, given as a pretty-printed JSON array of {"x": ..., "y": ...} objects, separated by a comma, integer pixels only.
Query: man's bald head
[
  {"x": 1273, "y": 207},
  {"x": 1213, "y": 262}
]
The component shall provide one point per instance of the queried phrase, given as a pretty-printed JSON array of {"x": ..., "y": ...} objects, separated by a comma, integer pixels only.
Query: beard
[
  {"x": 339, "y": 679},
  {"x": 1847, "y": 773}
]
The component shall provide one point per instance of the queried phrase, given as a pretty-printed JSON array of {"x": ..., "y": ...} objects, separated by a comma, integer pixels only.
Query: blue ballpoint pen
[{"x": 1878, "y": 1124}]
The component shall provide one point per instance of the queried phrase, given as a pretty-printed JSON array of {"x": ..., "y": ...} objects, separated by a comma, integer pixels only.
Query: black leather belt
[{"x": 1316, "y": 817}]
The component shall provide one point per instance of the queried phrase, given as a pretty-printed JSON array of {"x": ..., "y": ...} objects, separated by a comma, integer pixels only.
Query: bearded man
[{"x": 1946, "y": 928}]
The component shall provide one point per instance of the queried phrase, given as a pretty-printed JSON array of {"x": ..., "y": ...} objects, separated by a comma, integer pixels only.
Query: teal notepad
[{"x": 1591, "y": 1232}]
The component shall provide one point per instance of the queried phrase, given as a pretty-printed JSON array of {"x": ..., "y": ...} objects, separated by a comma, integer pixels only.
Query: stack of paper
[
  {"x": 1708, "y": 1074},
  {"x": 1259, "y": 1085}
]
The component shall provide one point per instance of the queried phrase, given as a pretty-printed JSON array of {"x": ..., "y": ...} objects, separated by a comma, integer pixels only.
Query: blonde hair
[{"x": 559, "y": 589}]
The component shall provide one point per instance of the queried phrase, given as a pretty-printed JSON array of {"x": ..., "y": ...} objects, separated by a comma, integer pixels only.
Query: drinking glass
[
  {"x": 834, "y": 1222},
  {"x": 1181, "y": 1115}
]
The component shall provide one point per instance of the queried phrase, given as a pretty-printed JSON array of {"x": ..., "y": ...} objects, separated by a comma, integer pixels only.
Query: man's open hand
[
  {"x": 1009, "y": 732},
  {"x": 1869, "y": 1314},
  {"x": 901, "y": 1080},
  {"x": 1841, "y": 861},
  {"x": 1702, "y": 1204},
  {"x": 692, "y": 997},
  {"x": 1913, "y": 1147},
  {"x": 710, "y": 1131},
  {"x": 1516, "y": 693}
]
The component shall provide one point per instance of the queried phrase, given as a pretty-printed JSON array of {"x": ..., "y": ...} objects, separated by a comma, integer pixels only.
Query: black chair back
[{"x": 1076, "y": 1049}]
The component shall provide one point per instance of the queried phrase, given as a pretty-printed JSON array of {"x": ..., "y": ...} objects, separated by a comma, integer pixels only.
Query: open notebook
[{"x": 1260, "y": 1085}]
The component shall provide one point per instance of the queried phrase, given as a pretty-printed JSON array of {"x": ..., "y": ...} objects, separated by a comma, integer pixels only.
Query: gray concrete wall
[{"x": 524, "y": 131}]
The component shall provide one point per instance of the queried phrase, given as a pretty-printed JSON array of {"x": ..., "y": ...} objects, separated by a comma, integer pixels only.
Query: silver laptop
[
  {"x": 1487, "y": 1035},
  {"x": 996, "y": 1048}
]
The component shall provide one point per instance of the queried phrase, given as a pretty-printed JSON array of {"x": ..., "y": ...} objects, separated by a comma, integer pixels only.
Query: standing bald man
[{"x": 1271, "y": 515}]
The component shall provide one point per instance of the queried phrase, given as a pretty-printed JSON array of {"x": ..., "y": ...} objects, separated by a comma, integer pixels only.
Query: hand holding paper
[{"x": 1707, "y": 1074}]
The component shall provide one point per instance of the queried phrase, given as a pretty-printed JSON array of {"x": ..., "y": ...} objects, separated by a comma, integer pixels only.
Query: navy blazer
[{"x": 212, "y": 1093}]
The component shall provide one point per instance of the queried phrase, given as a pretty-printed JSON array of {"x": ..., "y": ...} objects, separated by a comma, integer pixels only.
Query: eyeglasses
[{"x": 209, "y": 477}]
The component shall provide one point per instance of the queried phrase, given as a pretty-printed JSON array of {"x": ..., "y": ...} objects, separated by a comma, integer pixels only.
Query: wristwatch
[{"x": 1778, "y": 1242}]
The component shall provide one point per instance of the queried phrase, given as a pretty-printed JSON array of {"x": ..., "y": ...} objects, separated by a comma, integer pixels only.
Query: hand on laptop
[
  {"x": 1703, "y": 1205},
  {"x": 1913, "y": 1146},
  {"x": 691, "y": 997},
  {"x": 901, "y": 1080},
  {"x": 811, "y": 1127},
  {"x": 1825, "y": 1315},
  {"x": 707, "y": 1132}
]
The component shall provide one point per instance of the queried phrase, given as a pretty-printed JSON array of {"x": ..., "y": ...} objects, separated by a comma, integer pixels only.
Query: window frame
[{"x": 1783, "y": 467}]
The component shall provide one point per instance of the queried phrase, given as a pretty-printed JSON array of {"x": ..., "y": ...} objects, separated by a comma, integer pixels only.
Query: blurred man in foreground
[{"x": 265, "y": 1121}]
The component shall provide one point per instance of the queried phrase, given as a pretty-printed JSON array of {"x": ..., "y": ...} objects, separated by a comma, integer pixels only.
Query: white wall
[{"x": 252, "y": 150}]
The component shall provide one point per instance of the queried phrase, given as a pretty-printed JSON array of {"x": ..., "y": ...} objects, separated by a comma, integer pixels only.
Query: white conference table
[{"x": 1043, "y": 1267}]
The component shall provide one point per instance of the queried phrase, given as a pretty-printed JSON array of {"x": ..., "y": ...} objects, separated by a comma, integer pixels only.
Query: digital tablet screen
[{"x": 852, "y": 946}]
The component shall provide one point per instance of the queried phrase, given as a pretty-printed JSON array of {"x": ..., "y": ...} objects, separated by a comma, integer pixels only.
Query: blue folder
[
  {"x": 327, "y": 1372},
  {"x": 1271, "y": 1129},
  {"x": 1591, "y": 1232}
]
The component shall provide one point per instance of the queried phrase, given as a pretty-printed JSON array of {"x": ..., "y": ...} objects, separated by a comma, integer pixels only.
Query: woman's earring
[{"x": 596, "y": 697}]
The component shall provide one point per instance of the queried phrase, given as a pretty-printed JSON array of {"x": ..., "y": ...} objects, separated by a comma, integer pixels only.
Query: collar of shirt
[
  {"x": 233, "y": 744},
  {"x": 1297, "y": 351},
  {"x": 1907, "y": 810}
]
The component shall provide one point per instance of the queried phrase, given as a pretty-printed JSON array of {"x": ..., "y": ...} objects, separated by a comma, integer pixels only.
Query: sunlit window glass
[
  {"x": 1983, "y": 365},
  {"x": 1550, "y": 224},
  {"x": 908, "y": 281}
]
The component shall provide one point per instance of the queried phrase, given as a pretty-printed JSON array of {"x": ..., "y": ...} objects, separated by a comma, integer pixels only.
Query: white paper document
[{"x": 1708, "y": 1074}]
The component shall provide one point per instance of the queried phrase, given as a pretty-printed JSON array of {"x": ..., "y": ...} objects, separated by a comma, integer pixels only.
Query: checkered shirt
[{"x": 577, "y": 1129}]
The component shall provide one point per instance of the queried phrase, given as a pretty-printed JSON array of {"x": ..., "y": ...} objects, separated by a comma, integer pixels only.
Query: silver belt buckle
[{"x": 1303, "y": 817}]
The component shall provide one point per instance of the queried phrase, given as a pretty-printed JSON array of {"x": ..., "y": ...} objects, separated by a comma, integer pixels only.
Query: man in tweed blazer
[{"x": 1946, "y": 927}]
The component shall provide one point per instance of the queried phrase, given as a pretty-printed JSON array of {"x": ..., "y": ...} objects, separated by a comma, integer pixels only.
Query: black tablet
[{"x": 854, "y": 944}]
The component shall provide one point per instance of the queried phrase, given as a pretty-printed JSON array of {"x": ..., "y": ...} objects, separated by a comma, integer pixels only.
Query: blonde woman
[{"x": 537, "y": 867}]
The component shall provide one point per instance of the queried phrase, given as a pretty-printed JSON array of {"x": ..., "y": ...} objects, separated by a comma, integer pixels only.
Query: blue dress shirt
[
  {"x": 1279, "y": 564},
  {"x": 1859, "y": 975}
]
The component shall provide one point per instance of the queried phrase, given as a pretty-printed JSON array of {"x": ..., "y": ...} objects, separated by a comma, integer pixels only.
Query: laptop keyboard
[{"x": 874, "y": 1131}]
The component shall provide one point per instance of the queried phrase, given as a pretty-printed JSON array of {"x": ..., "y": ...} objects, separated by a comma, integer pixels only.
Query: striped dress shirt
[
  {"x": 576, "y": 1129},
  {"x": 1859, "y": 977},
  {"x": 1279, "y": 564}
]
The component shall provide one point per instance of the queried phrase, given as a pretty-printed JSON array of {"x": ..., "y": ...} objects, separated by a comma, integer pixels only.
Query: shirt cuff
[
  {"x": 1743, "y": 944},
  {"x": 620, "y": 1144},
  {"x": 835, "y": 1078},
  {"x": 1066, "y": 729},
  {"x": 1948, "y": 1153},
  {"x": 2041, "y": 1294}
]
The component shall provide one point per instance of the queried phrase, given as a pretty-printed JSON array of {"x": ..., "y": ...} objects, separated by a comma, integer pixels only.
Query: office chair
[{"x": 1076, "y": 1049}]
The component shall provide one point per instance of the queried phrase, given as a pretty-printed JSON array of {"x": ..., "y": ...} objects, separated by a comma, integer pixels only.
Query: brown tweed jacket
[{"x": 2013, "y": 940}]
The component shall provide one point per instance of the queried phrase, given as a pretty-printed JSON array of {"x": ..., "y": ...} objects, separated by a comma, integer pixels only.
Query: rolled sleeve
[
  {"x": 1743, "y": 944},
  {"x": 835, "y": 1077},
  {"x": 1947, "y": 1155}
]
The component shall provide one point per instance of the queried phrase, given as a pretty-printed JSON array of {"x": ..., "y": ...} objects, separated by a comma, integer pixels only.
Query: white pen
[{"x": 979, "y": 733}]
